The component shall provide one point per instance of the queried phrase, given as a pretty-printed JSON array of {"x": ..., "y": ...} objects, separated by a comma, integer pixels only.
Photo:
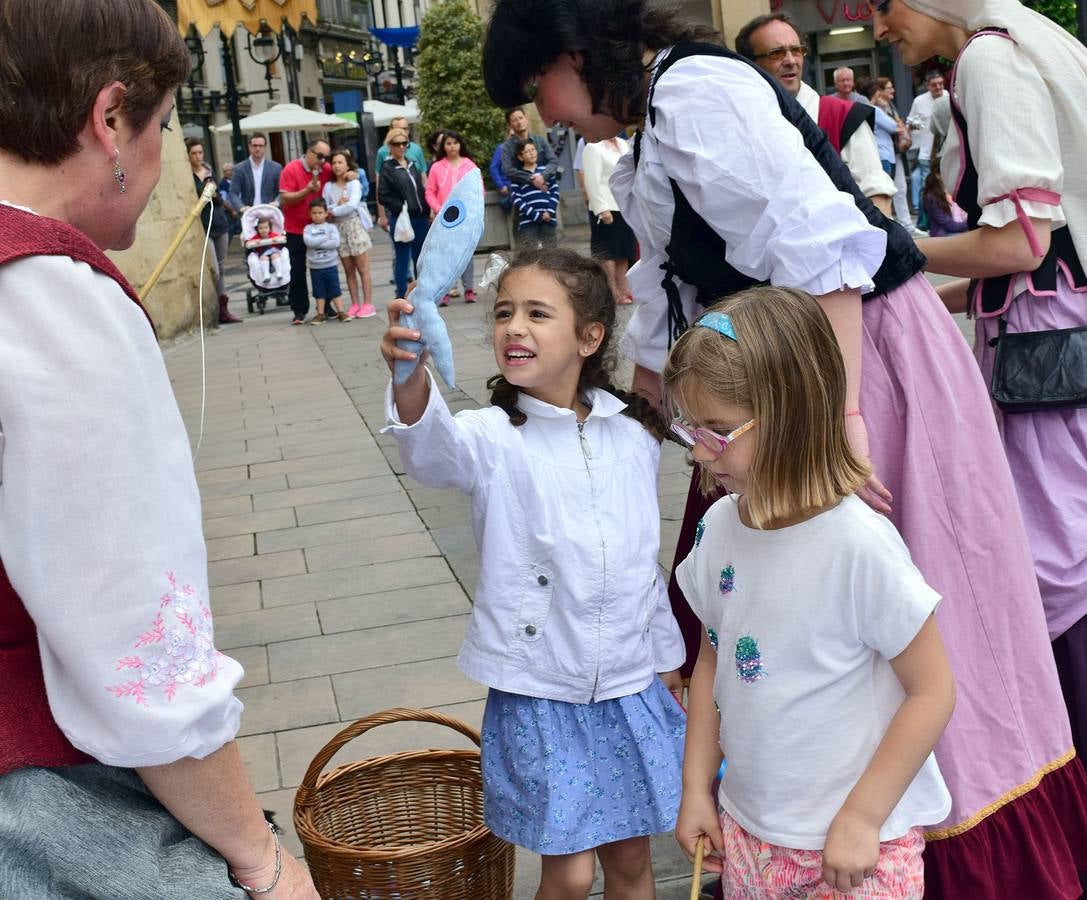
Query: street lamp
[
  {"x": 373, "y": 64},
  {"x": 264, "y": 49}
]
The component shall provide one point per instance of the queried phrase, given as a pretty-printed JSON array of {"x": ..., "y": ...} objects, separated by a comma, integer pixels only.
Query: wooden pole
[{"x": 203, "y": 200}]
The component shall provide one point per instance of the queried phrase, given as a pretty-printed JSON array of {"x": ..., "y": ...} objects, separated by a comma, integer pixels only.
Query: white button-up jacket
[{"x": 570, "y": 604}]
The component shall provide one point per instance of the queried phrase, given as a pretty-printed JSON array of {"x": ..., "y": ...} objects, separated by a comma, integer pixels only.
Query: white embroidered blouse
[
  {"x": 744, "y": 169},
  {"x": 100, "y": 525}
]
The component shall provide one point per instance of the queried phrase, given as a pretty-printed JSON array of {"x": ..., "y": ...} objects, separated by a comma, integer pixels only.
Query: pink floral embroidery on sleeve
[{"x": 176, "y": 650}]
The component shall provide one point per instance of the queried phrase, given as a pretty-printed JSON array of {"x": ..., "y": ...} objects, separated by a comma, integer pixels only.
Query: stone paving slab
[
  {"x": 367, "y": 648},
  {"x": 355, "y": 580},
  {"x": 432, "y": 601},
  {"x": 232, "y": 598}
]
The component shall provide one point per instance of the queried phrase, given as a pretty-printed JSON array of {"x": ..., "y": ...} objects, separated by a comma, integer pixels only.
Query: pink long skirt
[{"x": 935, "y": 445}]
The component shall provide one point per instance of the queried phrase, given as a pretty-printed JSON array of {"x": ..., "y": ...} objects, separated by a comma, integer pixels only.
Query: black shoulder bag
[{"x": 1040, "y": 370}]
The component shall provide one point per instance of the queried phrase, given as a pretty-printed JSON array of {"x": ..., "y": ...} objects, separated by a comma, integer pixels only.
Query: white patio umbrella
[
  {"x": 288, "y": 117},
  {"x": 384, "y": 113}
]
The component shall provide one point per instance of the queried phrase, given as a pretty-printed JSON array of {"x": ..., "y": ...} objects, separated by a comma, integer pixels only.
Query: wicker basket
[{"x": 401, "y": 826}]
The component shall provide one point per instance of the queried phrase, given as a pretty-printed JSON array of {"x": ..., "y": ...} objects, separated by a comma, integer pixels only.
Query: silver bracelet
[{"x": 279, "y": 867}]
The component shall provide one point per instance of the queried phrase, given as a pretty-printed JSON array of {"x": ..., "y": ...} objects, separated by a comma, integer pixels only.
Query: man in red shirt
[{"x": 301, "y": 181}]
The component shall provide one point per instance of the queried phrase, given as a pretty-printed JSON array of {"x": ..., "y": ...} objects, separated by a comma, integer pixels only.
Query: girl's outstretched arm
[
  {"x": 852, "y": 847},
  {"x": 701, "y": 762},
  {"x": 410, "y": 397}
]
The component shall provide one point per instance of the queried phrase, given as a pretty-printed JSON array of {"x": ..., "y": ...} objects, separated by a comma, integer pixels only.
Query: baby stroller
[{"x": 267, "y": 260}]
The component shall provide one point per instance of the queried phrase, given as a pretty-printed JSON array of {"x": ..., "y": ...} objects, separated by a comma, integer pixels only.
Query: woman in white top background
[
  {"x": 613, "y": 242},
  {"x": 730, "y": 185}
]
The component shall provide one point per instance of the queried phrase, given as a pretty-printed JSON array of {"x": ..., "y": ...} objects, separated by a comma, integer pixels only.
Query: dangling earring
[{"x": 118, "y": 172}]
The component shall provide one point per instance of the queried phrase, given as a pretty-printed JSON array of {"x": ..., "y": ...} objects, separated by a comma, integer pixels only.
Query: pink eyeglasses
[{"x": 711, "y": 440}]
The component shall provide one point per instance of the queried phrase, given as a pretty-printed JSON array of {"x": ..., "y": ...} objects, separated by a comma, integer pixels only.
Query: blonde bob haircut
[
  {"x": 785, "y": 366},
  {"x": 396, "y": 134}
]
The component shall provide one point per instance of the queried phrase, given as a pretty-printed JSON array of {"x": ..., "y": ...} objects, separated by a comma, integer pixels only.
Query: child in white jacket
[{"x": 571, "y": 623}]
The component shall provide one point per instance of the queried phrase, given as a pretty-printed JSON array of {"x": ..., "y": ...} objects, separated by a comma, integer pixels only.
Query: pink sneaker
[
  {"x": 444, "y": 301},
  {"x": 366, "y": 311},
  {"x": 353, "y": 311},
  {"x": 469, "y": 296}
]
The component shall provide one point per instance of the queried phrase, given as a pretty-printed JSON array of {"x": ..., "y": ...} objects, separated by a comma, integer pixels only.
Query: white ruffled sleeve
[
  {"x": 1014, "y": 139},
  {"x": 744, "y": 169},
  {"x": 861, "y": 156},
  {"x": 100, "y": 525}
]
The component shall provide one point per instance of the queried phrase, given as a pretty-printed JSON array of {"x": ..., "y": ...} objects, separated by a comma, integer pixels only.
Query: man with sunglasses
[
  {"x": 301, "y": 181},
  {"x": 773, "y": 44}
]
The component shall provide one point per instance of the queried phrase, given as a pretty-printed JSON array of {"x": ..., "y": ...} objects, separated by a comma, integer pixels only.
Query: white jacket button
[
  {"x": 542, "y": 580},
  {"x": 530, "y": 630}
]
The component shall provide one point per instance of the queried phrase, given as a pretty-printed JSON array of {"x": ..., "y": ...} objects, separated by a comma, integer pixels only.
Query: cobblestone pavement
[{"x": 342, "y": 585}]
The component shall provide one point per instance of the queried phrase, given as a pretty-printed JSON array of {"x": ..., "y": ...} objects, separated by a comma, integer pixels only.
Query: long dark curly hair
[
  {"x": 609, "y": 35},
  {"x": 587, "y": 288}
]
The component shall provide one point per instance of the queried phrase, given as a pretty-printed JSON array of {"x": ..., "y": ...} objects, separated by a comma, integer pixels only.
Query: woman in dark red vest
[{"x": 119, "y": 774}]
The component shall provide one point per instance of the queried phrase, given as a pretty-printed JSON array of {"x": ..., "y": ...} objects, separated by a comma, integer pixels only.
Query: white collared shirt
[
  {"x": 860, "y": 153},
  {"x": 258, "y": 173},
  {"x": 745, "y": 170},
  {"x": 571, "y": 604}
]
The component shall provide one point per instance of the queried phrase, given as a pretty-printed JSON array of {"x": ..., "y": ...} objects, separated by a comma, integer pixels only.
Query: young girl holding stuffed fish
[
  {"x": 821, "y": 676},
  {"x": 582, "y": 741}
]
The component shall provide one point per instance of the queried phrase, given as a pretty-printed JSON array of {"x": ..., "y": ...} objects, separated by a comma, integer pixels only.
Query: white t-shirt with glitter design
[{"x": 805, "y": 619}]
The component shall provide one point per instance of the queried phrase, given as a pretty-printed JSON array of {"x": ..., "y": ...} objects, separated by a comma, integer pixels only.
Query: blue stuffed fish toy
[{"x": 451, "y": 241}]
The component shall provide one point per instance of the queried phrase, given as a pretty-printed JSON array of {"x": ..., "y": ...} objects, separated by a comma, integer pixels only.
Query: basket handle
[{"x": 361, "y": 726}]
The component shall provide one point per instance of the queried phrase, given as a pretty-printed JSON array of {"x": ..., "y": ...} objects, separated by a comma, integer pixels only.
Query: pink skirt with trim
[{"x": 935, "y": 445}]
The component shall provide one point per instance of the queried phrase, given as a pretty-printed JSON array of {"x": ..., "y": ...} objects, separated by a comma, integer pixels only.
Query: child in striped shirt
[{"x": 536, "y": 202}]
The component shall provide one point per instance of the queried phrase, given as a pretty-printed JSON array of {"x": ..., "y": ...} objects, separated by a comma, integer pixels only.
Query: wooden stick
[
  {"x": 696, "y": 879},
  {"x": 203, "y": 200}
]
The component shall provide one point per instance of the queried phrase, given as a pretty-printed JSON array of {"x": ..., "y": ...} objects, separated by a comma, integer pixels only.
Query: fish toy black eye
[{"x": 453, "y": 214}]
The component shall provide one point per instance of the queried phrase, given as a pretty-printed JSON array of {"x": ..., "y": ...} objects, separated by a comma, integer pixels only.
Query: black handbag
[{"x": 1040, "y": 370}]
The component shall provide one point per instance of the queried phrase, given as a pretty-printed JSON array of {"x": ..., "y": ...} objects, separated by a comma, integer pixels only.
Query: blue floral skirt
[{"x": 565, "y": 777}]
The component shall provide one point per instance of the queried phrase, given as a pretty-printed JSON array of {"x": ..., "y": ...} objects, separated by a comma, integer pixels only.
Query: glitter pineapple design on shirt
[
  {"x": 699, "y": 530},
  {"x": 728, "y": 580},
  {"x": 749, "y": 660}
]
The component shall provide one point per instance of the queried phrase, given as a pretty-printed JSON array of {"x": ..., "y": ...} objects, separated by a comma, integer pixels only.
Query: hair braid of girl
[
  {"x": 504, "y": 396},
  {"x": 595, "y": 374}
]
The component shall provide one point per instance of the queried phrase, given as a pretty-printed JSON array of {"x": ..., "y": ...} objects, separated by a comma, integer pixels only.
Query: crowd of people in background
[{"x": 888, "y": 155}]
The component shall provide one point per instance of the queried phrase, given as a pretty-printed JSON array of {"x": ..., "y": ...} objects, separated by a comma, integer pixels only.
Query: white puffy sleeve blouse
[
  {"x": 744, "y": 169},
  {"x": 100, "y": 524},
  {"x": 1014, "y": 138}
]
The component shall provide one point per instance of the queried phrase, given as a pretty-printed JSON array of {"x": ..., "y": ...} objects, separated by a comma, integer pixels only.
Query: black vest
[
  {"x": 994, "y": 291},
  {"x": 696, "y": 253}
]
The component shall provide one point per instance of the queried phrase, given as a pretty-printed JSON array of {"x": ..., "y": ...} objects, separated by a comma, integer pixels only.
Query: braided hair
[{"x": 586, "y": 286}]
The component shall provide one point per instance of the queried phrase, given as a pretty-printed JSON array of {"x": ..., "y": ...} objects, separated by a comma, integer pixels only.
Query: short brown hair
[
  {"x": 743, "y": 37},
  {"x": 55, "y": 57},
  {"x": 785, "y": 366}
]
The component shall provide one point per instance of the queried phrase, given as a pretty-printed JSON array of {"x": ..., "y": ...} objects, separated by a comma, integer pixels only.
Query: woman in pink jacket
[{"x": 455, "y": 163}]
